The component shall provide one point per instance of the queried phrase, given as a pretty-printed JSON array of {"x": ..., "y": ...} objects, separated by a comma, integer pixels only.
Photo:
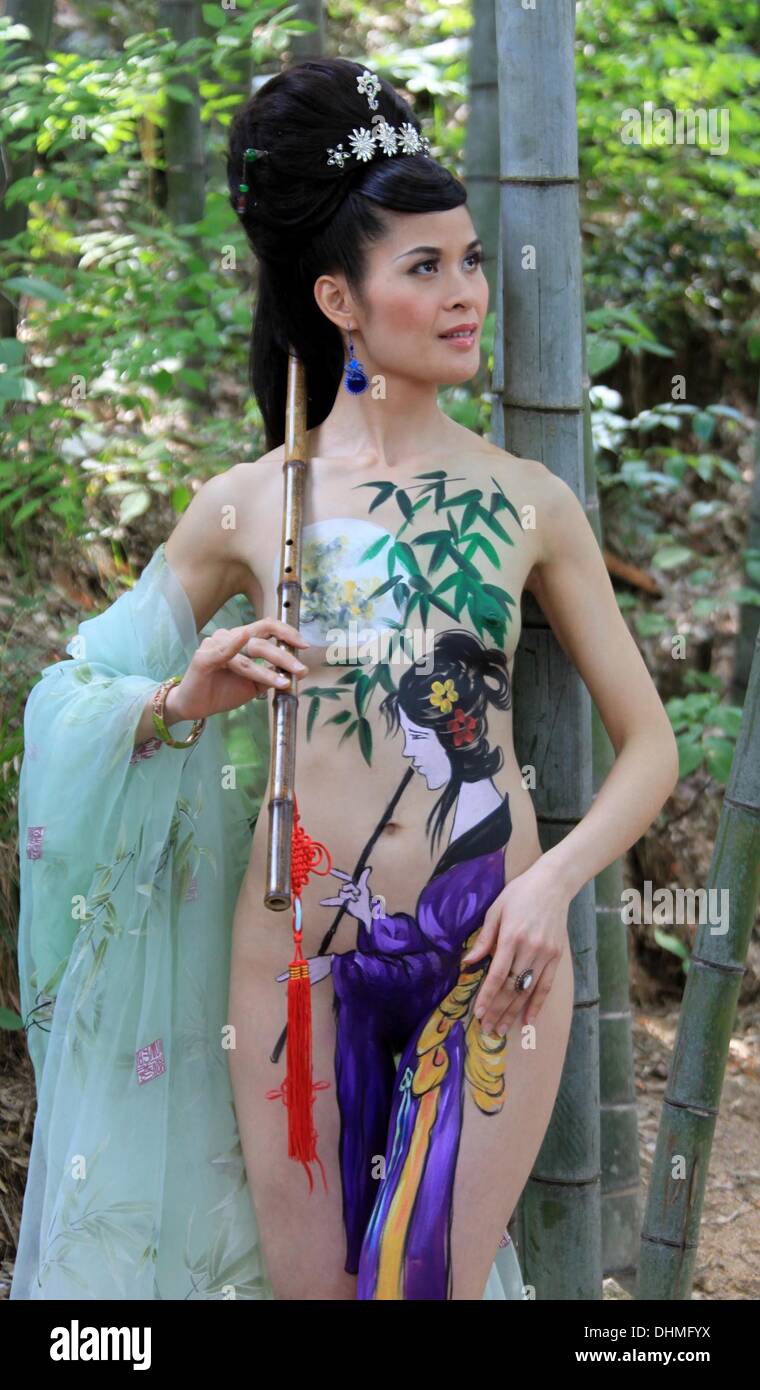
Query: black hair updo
[{"x": 305, "y": 218}]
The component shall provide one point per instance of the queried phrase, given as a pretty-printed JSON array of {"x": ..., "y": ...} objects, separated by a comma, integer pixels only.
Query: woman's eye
[{"x": 476, "y": 256}]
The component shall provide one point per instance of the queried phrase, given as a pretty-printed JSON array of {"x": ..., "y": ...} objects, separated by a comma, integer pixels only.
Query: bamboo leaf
[
  {"x": 407, "y": 557},
  {"x": 385, "y": 678},
  {"x": 339, "y": 718},
  {"x": 383, "y": 588},
  {"x": 489, "y": 550},
  {"x": 349, "y": 730},
  {"x": 387, "y": 491},
  {"x": 405, "y": 505},
  {"x": 501, "y": 595},
  {"x": 365, "y": 740},
  {"x": 495, "y": 526},
  {"x": 441, "y": 603},
  {"x": 465, "y": 564},
  {"x": 362, "y": 689},
  {"x": 463, "y": 498},
  {"x": 449, "y": 582},
  {"x": 439, "y": 555},
  {"x": 314, "y": 708},
  {"x": 507, "y": 502},
  {"x": 432, "y": 537},
  {"x": 374, "y": 549}
]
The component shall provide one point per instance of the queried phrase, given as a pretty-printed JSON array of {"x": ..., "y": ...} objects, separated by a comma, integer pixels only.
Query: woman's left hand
[{"x": 528, "y": 924}]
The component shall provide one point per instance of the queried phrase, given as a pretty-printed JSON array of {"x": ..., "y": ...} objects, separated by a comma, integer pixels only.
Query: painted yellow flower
[{"x": 443, "y": 695}]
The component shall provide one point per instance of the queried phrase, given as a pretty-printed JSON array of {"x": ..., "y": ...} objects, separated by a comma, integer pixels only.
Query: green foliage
[
  {"x": 706, "y": 729},
  {"x": 105, "y": 356}
]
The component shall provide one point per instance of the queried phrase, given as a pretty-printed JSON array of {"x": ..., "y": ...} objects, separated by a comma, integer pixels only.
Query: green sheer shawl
[{"x": 131, "y": 862}]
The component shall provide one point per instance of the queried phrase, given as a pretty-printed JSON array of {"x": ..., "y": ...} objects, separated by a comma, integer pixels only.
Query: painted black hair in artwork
[
  {"x": 311, "y": 218},
  {"x": 480, "y": 677}
]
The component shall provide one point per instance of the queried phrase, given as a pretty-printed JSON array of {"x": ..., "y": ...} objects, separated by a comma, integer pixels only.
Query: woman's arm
[
  {"x": 205, "y": 557},
  {"x": 527, "y": 923},
  {"x": 571, "y": 583}
]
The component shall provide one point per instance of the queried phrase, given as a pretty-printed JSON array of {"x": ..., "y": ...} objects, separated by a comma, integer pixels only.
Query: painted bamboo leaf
[
  {"x": 495, "y": 526},
  {"x": 465, "y": 565},
  {"x": 365, "y": 740},
  {"x": 384, "y": 491},
  {"x": 401, "y": 593},
  {"x": 404, "y": 503},
  {"x": 442, "y": 605},
  {"x": 314, "y": 709},
  {"x": 407, "y": 557},
  {"x": 385, "y": 678},
  {"x": 339, "y": 718},
  {"x": 374, "y": 549},
  {"x": 488, "y": 550},
  {"x": 505, "y": 502},
  {"x": 362, "y": 689},
  {"x": 383, "y": 588}
]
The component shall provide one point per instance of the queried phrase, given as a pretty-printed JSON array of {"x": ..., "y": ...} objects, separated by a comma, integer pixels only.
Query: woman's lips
[{"x": 460, "y": 341}]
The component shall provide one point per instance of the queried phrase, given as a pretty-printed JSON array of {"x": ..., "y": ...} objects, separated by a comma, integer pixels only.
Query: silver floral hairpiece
[{"x": 383, "y": 137}]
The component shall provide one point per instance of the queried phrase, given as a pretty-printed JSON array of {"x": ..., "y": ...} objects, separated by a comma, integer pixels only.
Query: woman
[{"x": 430, "y": 1105}]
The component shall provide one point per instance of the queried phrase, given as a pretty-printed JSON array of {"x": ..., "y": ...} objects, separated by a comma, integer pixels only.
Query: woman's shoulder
[{"x": 525, "y": 472}]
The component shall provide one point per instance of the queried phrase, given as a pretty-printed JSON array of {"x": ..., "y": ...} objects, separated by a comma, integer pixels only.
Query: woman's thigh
[
  {"x": 497, "y": 1152},
  {"x": 460, "y": 1167},
  {"x": 301, "y": 1231}
]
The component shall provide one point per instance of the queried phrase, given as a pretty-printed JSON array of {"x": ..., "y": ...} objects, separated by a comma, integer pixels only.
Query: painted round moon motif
[{"x": 337, "y": 578}]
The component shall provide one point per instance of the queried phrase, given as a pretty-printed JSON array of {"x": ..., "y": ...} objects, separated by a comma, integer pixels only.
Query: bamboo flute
[{"x": 282, "y": 765}]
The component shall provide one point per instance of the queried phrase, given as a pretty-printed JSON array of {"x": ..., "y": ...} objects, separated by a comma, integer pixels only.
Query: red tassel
[{"x": 297, "y": 1091}]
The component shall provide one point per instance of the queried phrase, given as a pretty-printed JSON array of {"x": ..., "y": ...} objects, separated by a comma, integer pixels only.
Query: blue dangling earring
[{"x": 356, "y": 378}]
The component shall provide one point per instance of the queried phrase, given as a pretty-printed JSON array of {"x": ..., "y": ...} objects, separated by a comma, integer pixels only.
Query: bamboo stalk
[
  {"x": 619, "y": 1133},
  {"x": 538, "y": 375},
  {"x": 749, "y": 613},
  {"x": 670, "y": 1234}
]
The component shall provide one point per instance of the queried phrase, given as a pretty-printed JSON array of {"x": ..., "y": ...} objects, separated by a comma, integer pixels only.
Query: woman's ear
[{"x": 333, "y": 299}]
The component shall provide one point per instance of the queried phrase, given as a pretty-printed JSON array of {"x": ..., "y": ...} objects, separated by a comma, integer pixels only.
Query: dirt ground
[{"x": 728, "y": 1260}]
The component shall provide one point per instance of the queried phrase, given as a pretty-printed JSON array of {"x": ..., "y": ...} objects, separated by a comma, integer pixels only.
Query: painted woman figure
[
  {"x": 148, "y": 962},
  {"x": 405, "y": 989}
]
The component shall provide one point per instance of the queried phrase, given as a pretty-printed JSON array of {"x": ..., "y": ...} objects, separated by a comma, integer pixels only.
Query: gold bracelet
[{"x": 159, "y": 723}]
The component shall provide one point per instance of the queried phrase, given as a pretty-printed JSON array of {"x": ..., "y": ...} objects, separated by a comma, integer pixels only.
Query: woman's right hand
[{"x": 223, "y": 675}]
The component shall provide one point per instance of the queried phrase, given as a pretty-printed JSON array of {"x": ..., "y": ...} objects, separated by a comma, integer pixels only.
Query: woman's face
[
  {"x": 411, "y": 296},
  {"x": 427, "y": 752}
]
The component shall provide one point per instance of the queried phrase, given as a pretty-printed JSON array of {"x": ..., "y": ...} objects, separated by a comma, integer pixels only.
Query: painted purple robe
[{"x": 385, "y": 991}]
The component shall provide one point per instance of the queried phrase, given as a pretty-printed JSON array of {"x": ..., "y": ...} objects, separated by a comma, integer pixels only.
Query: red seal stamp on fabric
[
  {"x": 150, "y": 1061},
  {"x": 34, "y": 835}
]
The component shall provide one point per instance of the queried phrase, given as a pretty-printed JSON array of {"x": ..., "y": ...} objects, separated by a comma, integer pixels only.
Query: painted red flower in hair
[{"x": 463, "y": 727}]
